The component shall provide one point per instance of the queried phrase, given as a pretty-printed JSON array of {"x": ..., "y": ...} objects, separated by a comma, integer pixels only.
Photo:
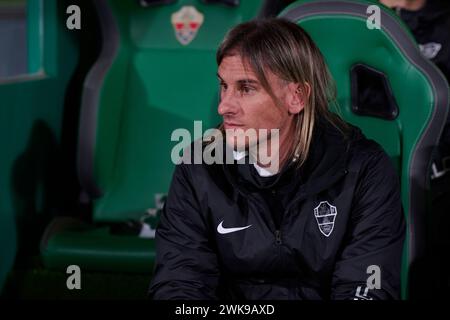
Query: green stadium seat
[
  {"x": 418, "y": 92},
  {"x": 145, "y": 84}
]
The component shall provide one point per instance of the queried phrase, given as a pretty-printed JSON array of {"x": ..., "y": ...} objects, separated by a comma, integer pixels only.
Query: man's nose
[{"x": 227, "y": 104}]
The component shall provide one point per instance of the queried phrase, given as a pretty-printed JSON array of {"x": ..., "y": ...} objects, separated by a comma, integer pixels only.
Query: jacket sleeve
[
  {"x": 373, "y": 246},
  {"x": 186, "y": 263}
]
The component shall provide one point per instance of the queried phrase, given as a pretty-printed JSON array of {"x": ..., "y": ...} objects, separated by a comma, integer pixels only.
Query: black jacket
[
  {"x": 430, "y": 26},
  {"x": 349, "y": 186}
]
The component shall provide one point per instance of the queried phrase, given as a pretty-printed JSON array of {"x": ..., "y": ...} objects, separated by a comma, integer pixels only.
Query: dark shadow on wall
[
  {"x": 37, "y": 186},
  {"x": 44, "y": 177}
]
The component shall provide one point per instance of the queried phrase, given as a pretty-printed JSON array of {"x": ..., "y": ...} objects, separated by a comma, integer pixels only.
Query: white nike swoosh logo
[{"x": 222, "y": 230}]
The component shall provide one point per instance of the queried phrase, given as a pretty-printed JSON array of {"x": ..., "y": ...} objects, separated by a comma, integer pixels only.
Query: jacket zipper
[{"x": 278, "y": 236}]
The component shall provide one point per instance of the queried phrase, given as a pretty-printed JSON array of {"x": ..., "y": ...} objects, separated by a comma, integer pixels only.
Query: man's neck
[{"x": 280, "y": 155}]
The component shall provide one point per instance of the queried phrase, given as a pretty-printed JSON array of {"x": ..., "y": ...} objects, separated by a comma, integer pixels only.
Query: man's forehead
[{"x": 236, "y": 67}]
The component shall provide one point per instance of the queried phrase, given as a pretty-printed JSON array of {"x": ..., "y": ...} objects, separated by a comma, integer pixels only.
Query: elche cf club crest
[
  {"x": 186, "y": 23},
  {"x": 325, "y": 214}
]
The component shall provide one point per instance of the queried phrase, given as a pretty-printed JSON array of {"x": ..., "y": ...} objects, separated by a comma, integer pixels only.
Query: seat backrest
[
  {"x": 145, "y": 84},
  {"x": 410, "y": 127}
]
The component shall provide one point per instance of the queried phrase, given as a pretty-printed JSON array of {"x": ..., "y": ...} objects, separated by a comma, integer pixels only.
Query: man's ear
[{"x": 298, "y": 96}]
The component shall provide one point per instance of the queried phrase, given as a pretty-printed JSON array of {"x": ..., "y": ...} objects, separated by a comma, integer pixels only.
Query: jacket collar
[{"x": 325, "y": 165}]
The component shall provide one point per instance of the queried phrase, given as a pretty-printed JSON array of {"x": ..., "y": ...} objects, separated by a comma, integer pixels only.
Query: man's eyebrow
[
  {"x": 248, "y": 81},
  {"x": 241, "y": 81}
]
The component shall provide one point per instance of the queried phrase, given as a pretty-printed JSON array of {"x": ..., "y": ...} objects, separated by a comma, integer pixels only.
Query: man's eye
[
  {"x": 223, "y": 86},
  {"x": 247, "y": 89}
]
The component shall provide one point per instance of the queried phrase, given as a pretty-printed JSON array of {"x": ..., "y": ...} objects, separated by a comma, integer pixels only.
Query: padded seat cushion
[{"x": 71, "y": 242}]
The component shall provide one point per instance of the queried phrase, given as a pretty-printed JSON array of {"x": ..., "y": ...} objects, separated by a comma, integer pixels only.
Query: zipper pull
[{"x": 278, "y": 236}]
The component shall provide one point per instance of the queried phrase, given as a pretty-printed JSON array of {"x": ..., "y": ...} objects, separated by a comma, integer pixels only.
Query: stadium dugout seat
[
  {"x": 409, "y": 116},
  {"x": 155, "y": 73},
  {"x": 145, "y": 84}
]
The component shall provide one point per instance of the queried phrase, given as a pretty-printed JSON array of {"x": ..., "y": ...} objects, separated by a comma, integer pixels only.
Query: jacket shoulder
[{"x": 363, "y": 151}]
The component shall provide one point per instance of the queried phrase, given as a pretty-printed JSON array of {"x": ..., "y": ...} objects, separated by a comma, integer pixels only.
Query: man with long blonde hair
[{"x": 326, "y": 223}]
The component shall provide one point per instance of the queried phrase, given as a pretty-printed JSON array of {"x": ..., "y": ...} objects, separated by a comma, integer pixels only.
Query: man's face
[
  {"x": 404, "y": 4},
  {"x": 245, "y": 104}
]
